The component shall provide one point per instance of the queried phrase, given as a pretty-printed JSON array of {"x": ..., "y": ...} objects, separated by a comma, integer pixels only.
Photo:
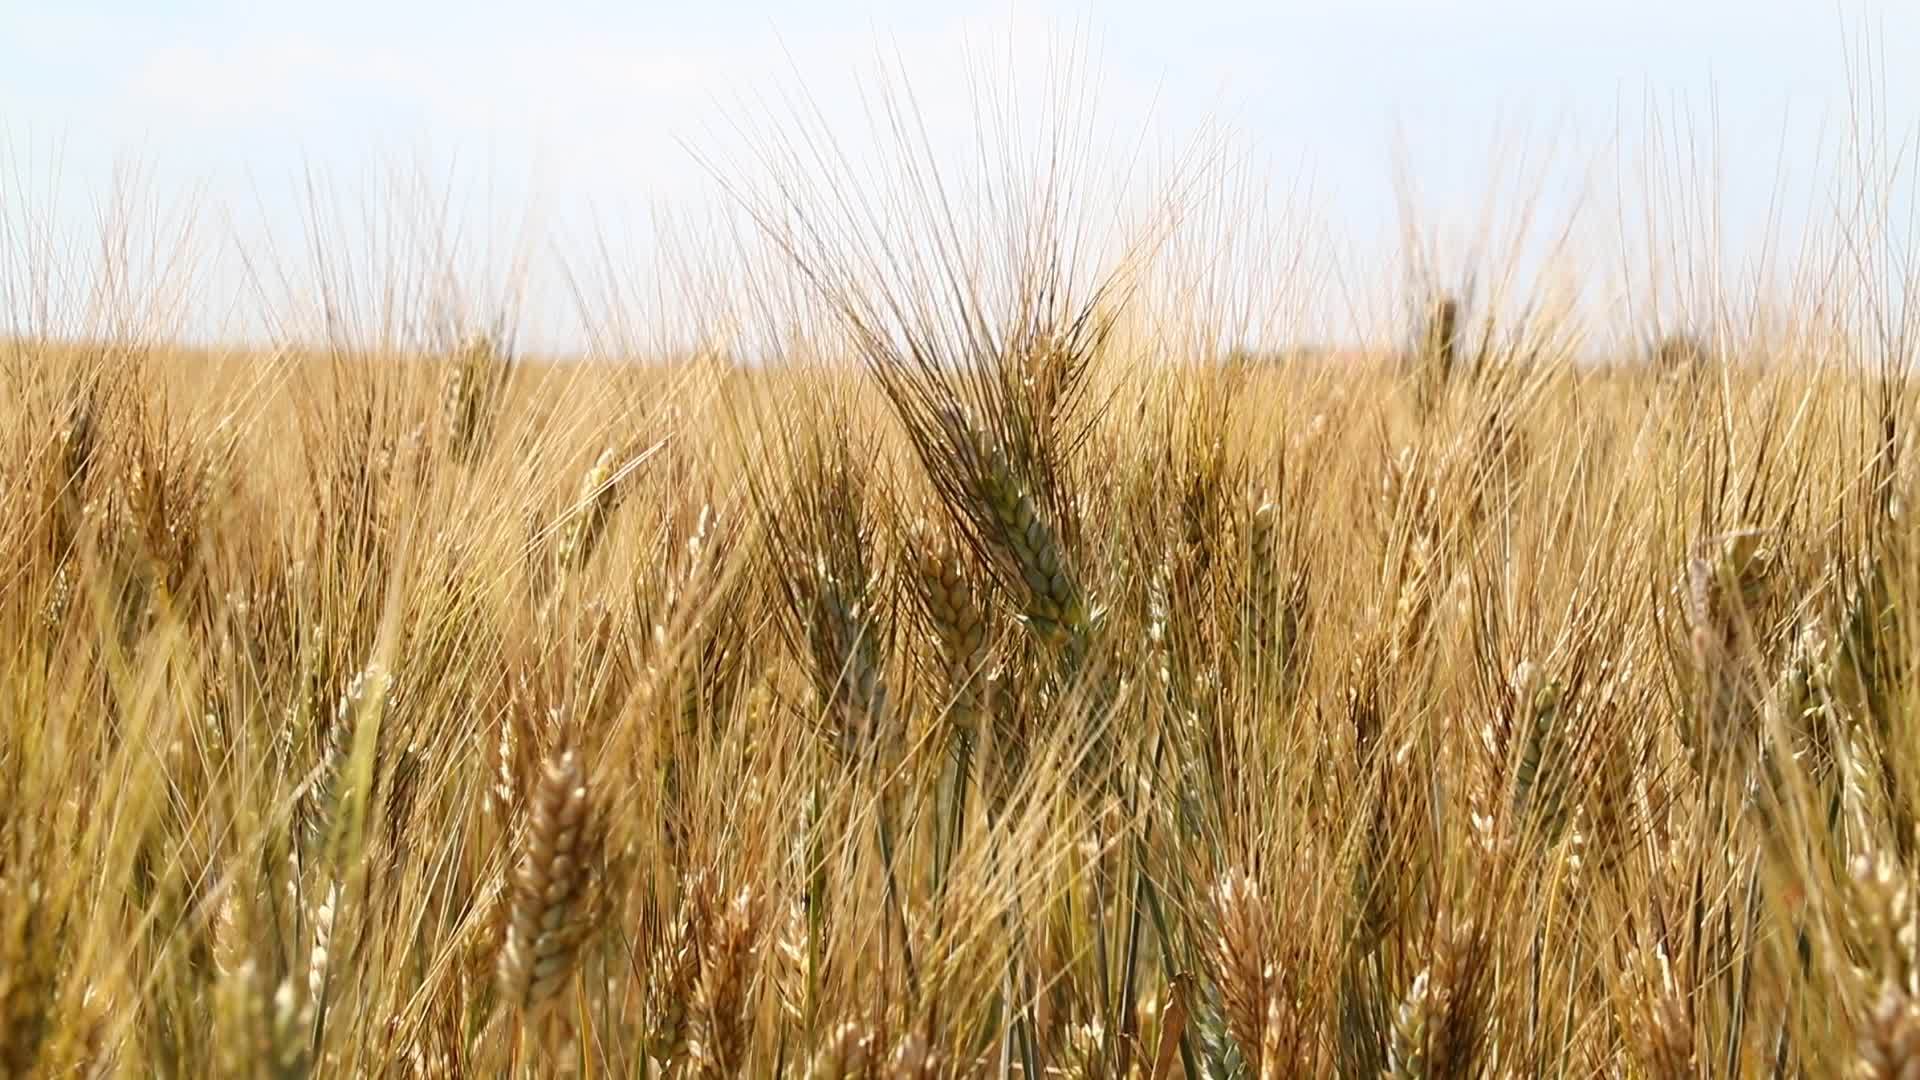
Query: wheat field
[{"x": 997, "y": 687}]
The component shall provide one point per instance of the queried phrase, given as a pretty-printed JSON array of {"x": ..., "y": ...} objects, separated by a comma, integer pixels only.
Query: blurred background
[{"x": 228, "y": 170}]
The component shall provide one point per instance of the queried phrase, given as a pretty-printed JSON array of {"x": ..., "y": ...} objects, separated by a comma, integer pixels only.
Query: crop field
[{"x": 996, "y": 683}]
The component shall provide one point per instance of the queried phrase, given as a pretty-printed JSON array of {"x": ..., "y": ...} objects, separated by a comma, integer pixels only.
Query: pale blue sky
[{"x": 577, "y": 110}]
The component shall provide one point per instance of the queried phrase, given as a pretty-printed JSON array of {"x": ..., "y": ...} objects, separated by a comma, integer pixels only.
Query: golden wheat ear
[
  {"x": 954, "y": 613},
  {"x": 472, "y": 390},
  {"x": 552, "y": 912},
  {"x": 722, "y": 1025}
]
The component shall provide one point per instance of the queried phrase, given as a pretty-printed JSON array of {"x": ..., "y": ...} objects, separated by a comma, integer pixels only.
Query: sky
[{"x": 559, "y": 136}]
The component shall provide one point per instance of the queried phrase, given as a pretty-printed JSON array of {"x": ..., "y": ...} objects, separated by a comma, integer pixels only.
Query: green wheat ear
[{"x": 1053, "y": 606}]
